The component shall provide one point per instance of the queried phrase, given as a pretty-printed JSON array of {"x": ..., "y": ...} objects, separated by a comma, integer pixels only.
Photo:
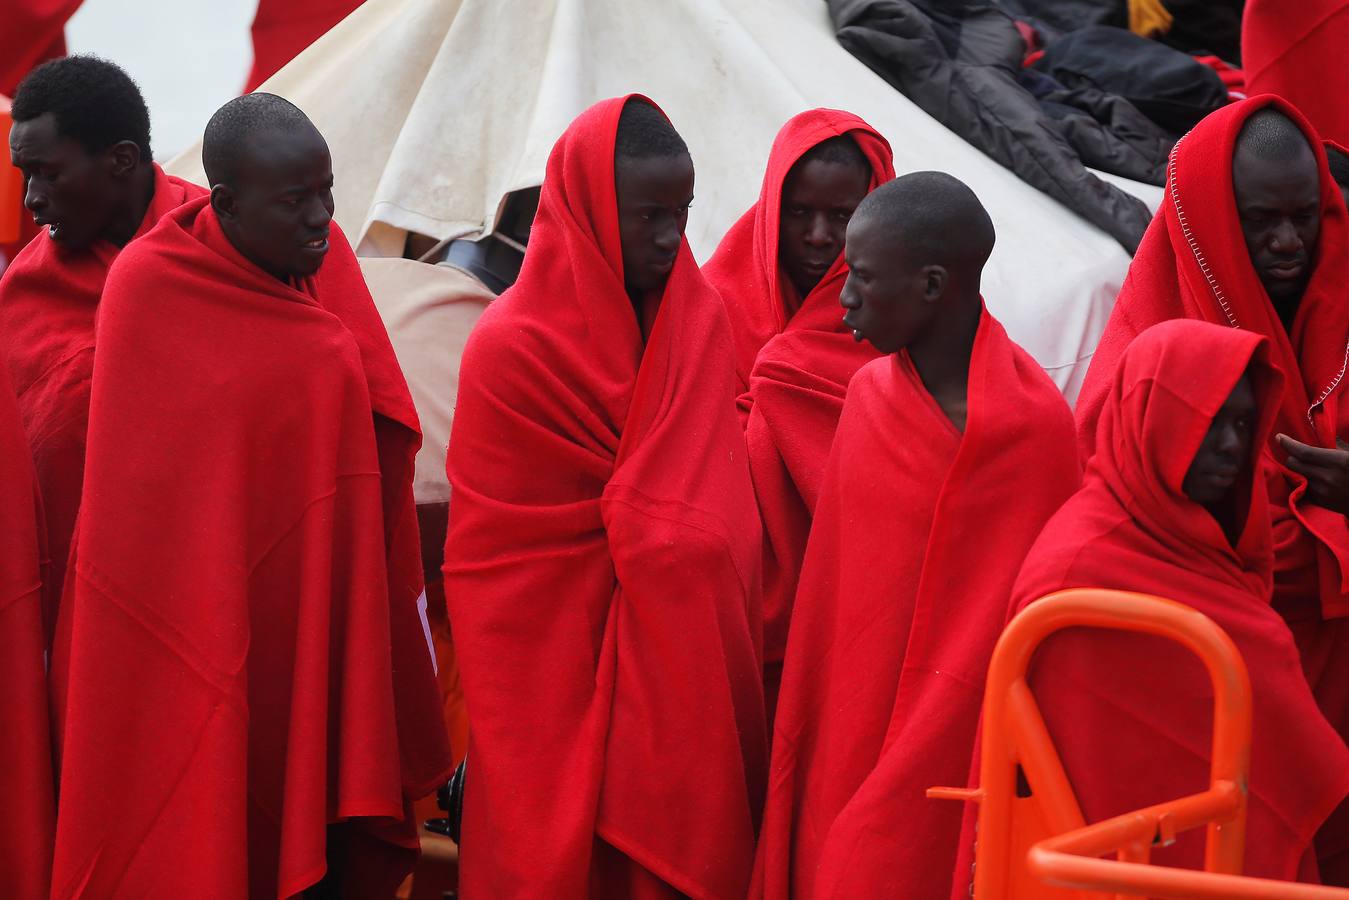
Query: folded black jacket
[{"x": 959, "y": 62}]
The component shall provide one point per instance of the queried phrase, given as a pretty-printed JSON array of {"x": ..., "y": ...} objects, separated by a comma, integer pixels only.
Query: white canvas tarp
[{"x": 435, "y": 109}]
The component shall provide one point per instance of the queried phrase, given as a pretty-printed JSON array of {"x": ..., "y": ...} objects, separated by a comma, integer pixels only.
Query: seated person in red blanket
[
  {"x": 780, "y": 269},
  {"x": 1253, "y": 234},
  {"x": 952, "y": 452},
  {"x": 1174, "y": 505},
  {"x": 244, "y": 695},
  {"x": 81, "y": 138}
]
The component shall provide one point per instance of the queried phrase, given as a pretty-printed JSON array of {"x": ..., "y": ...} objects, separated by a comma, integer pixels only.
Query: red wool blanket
[
  {"x": 601, "y": 570},
  {"x": 918, "y": 536},
  {"x": 239, "y": 660}
]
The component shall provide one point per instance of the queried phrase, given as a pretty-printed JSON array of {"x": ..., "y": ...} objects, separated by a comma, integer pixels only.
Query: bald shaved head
[
  {"x": 238, "y": 125},
  {"x": 932, "y": 218},
  {"x": 1269, "y": 134},
  {"x": 271, "y": 183},
  {"x": 916, "y": 249}
]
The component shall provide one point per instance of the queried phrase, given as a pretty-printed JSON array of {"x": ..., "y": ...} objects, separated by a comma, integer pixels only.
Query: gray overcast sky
[{"x": 189, "y": 56}]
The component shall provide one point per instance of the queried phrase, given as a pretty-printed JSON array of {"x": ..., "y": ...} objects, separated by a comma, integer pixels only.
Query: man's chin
[
  {"x": 1286, "y": 294},
  {"x": 307, "y": 268}
]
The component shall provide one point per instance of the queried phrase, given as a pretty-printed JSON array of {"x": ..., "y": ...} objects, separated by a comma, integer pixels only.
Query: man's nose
[
  {"x": 317, "y": 216},
  {"x": 818, "y": 234},
  {"x": 847, "y": 297},
  {"x": 1285, "y": 238},
  {"x": 33, "y": 198},
  {"x": 1230, "y": 441},
  {"x": 667, "y": 238}
]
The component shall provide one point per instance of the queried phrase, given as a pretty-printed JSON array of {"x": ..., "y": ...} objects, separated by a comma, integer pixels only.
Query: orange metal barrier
[
  {"x": 1039, "y": 846},
  {"x": 11, "y": 184}
]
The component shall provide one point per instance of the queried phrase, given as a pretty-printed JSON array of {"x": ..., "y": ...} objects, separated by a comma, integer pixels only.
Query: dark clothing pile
[
  {"x": 962, "y": 66},
  {"x": 1098, "y": 97}
]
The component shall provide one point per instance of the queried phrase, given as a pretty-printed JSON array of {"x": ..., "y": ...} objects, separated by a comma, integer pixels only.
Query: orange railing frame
[{"x": 1067, "y": 856}]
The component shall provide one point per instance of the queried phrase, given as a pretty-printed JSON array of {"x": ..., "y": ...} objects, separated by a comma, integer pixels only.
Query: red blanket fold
[
  {"x": 239, "y": 660},
  {"x": 1132, "y": 715},
  {"x": 1193, "y": 264},
  {"x": 601, "y": 569},
  {"x": 1296, "y": 50},
  {"x": 31, "y": 32},
  {"x": 29, "y": 819},
  {"x": 283, "y": 28},
  {"x": 48, "y": 302},
  {"x": 918, "y": 536},
  {"x": 793, "y": 372}
]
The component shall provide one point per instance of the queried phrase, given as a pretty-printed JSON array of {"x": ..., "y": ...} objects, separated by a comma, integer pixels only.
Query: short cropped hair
[
  {"x": 645, "y": 133},
  {"x": 236, "y": 123},
  {"x": 94, "y": 101},
  {"x": 933, "y": 218},
  {"x": 840, "y": 149},
  {"x": 1269, "y": 134}
]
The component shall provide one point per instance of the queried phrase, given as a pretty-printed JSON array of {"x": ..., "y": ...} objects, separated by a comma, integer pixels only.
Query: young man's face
[
  {"x": 818, "y": 200},
  {"x": 70, "y": 191},
  {"x": 653, "y": 208},
  {"x": 1225, "y": 450},
  {"x": 279, "y": 210},
  {"x": 1279, "y": 206},
  {"x": 885, "y": 296}
]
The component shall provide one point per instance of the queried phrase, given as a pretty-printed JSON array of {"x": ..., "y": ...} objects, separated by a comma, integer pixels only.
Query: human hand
[{"x": 1326, "y": 471}]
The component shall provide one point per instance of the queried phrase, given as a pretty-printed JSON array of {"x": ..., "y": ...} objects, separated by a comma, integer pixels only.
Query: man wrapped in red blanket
[
  {"x": 81, "y": 137},
  {"x": 1253, "y": 234},
  {"x": 244, "y": 694},
  {"x": 29, "y": 821},
  {"x": 951, "y": 454},
  {"x": 1174, "y": 505},
  {"x": 601, "y": 567},
  {"x": 780, "y": 269}
]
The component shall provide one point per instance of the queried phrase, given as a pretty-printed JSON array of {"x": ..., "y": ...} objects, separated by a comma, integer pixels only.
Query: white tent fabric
[{"x": 435, "y": 109}]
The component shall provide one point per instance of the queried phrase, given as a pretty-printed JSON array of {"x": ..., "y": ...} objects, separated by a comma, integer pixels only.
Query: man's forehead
[
  {"x": 38, "y": 141},
  {"x": 284, "y": 153},
  {"x": 1294, "y": 171}
]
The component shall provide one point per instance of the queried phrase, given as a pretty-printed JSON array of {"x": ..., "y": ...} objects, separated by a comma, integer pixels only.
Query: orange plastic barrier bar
[
  {"x": 1039, "y": 846},
  {"x": 11, "y": 184}
]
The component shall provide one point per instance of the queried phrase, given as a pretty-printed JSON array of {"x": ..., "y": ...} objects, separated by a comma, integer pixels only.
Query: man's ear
[
  {"x": 223, "y": 202},
  {"x": 934, "y": 282},
  {"x": 123, "y": 157}
]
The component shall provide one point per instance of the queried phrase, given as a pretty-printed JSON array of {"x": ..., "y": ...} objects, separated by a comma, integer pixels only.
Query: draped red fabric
[
  {"x": 1131, "y": 715},
  {"x": 27, "y": 826},
  {"x": 918, "y": 536},
  {"x": 745, "y": 268},
  {"x": 282, "y": 28},
  {"x": 1193, "y": 264},
  {"x": 793, "y": 370},
  {"x": 31, "y": 32},
  {"x": 239, "y": 661},
  {"x": 49, "y": 298},
  {"x": 601, "y": 569},
  {"x": 1296, "y": 50}
]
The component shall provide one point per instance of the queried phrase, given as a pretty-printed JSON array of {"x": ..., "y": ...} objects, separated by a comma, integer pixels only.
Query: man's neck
[
  {"x": 942, "y": 360},
  {"x": 140, "y": 193}
]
